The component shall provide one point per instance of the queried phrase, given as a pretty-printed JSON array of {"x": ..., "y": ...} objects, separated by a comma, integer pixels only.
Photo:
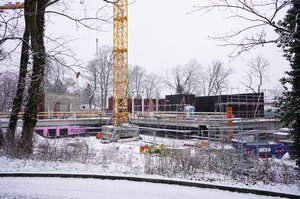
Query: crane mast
[
  {"x": 120, "y": 128},
  {"x": 120, "y": 62}
]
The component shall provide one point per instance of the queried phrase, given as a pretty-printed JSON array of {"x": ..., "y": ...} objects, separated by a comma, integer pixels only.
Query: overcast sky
[{"x": 162, "y": 35}]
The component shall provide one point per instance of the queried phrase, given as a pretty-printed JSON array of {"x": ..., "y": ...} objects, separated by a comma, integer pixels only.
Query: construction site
[
  {"x": 230, "y": 137},
  {"x": 222, "y": 118},
  {"x": 229, "y": 141}
]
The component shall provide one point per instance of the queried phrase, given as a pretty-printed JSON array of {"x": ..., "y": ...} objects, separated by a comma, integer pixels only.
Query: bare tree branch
[
  {"x": 80, "y": 21},
  {"x": 183, "y": 79},
  {"x": 257, "y": 69},
  {"x": 216, "y": 77},
  {"x": 260, "y": 14}
]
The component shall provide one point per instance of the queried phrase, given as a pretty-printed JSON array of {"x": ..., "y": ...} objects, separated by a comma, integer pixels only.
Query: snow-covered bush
[
  {"x": 226, "y": 164},
  {"x": 67, "y": 150},
  {"x": 173, "y": 163},
  {"x": 268, "y": 171}
]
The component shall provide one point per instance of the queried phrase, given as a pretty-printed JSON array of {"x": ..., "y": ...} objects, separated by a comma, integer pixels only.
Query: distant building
[
  {"x": 178, "y": 102},
  {"x": 60, "y": 102},
  {"x": 246, "y": 105}
]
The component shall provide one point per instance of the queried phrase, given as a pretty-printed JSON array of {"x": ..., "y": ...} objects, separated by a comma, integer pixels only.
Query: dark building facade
[
  {"x": 179, "y": 101},
  {"x": 247, "y": 105}
]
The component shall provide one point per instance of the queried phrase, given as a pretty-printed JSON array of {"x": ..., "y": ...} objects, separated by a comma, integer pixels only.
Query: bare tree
[
  {"x": 57, "y": 76},
  {"x": 10, "y": 30},
  {"x": 257, "y": 69},
  {"x": 37, "y": 31},
  {"x": 130, "y": 81},
  {"x": 88, "y": 96},
  {"x": 105, "y": 69},
  {"x": 35, "y": 12},
  {"x": 152, "y": 85},
  {"x": 99, "y": 76},
  {"x": 194, "y": 69},
  {"x": 91, "y": 75},
  {"x": 2, "y": 54},
  {"x": 176, "y": 79},
  {"x": 215, "y": 79},
  {"x": 183, "y": 79},
  {"x": 136, "y": 80},
  {"x": 8, "y": 85},
  {"x": 258, "y": 16}
]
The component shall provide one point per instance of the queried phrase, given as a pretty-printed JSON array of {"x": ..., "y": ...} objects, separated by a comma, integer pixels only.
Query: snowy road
[{"x": 62, "y": 188}]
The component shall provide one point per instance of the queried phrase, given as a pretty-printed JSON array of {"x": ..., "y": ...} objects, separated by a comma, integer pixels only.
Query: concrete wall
[{"x": 60, "y": 102}]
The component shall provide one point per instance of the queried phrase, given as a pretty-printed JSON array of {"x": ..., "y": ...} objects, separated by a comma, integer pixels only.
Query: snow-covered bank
[
  {"x": 86, "y": 155},
  {"x": 48, "y": 188}
]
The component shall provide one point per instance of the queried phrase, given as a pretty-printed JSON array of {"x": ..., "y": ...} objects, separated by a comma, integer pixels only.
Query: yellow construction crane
[
  {"x": 121, "y": 127},
  {"x": 120, "y": 62},
  {"x": 12, "y": 6}
]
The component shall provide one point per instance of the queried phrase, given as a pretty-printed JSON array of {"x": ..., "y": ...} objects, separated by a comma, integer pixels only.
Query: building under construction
[{"x": 246, "y": 105}]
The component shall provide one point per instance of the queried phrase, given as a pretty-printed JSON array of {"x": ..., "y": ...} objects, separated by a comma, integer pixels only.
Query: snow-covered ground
[
  {"x": 61, "y": 188},
  {"x": 109, "y": 159}
]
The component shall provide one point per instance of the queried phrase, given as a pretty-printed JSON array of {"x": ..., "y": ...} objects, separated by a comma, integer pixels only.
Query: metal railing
[{"x": 60, "y": 115}]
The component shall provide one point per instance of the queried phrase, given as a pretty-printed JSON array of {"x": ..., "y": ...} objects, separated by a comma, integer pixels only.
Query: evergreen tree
[{"x": 289, "y": 104}]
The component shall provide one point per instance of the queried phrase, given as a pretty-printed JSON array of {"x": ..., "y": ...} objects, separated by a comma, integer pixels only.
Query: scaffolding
[{"x": 246, "y": 105}]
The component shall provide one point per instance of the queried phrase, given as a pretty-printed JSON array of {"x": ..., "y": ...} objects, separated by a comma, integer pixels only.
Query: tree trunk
[
  {"x": 104, "y": 100},
  {"x": 18, "y": 99},
  {"x": 1, "y": 136},
  {"x": 39, "y": 60}
]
